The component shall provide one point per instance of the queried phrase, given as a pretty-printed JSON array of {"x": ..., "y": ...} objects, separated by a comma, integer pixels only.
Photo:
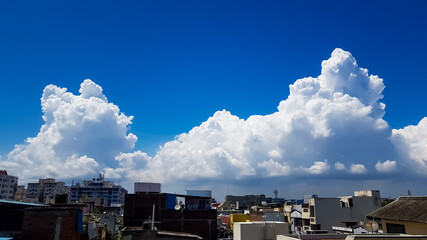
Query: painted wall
[
  {"x": 410, "y": 227},
  {"x": 259, "y": 230},
  {"x": 328, "y": 211}
]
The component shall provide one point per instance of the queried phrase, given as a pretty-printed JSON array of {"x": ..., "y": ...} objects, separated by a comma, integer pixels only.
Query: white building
[
  {"x": 8, "y": 185},
  {"x": 323, "y": 213},
  {"x": 259, "y": 230}
]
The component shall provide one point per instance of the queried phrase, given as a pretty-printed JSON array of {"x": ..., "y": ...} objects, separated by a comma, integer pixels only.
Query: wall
[
  {"x": 328, "y": 211},
  {"x": 234, "y": 218},
  {"x": 259, "y": 230},
  {"x": 410, "y": 227},
  {"x": 42, "y": 223},
  {"x": 138, "y": 208}
]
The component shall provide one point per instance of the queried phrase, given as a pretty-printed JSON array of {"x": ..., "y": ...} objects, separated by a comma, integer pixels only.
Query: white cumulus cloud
[
  {"x": 337, "y": 115},
  {"x": 339, "y": 166},
  {"x": 274, "y": 168},
  {"x": 358, "y": 169},
  {"x": 81, "y": 133},
  {"x": 386, "y": 167},
  {"x": 318, "y": 167},
  {"x": 411, "y": 142}
]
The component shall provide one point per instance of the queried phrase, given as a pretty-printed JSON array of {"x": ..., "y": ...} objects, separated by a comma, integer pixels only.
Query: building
[
  {"x": 33, "y": 192},
  {"x": 259, "y": 230},
  {"x": 46, "y": 190},
  {"x": 172, "y": 212},
  {"x": 21, "y": 193},
  {"x": 405, "y": 215},
  {"x": 8, "y": 185},
  {"x": 246, "y": 201},
  {"x": 105, "y": 193},
  {"x": 65, "y": 223},
  {"x": 324, "y": 213},
  {"x": 147, "y": 234},
  {"x": 351, "y": 237},
  {"x": 144, "y": 187},
  {"x": 12, "y": 216}
]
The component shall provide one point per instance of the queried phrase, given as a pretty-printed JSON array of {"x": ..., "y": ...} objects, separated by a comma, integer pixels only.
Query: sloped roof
[
  {"x": 7, "y": 202},
  {"x": 409, "y": 209}
]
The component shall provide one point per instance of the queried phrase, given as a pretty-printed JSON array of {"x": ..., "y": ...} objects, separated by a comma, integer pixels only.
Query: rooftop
[{"x": 409, "y": 209}]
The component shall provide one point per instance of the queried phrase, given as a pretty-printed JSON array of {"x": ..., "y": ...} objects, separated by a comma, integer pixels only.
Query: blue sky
[{"x": 173, "y": 64}]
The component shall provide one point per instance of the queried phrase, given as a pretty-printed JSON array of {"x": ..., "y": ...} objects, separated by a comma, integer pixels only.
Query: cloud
[
  {"x": 274, "y": 168},
  {"x": 339, "y": 166},
  {"x": 358, "y": 169},
  {"x": 386, "y": 167},
  {"x": 318, "y": 167},
  {"x": 411, "y": 142},
  {"x": 336, "y": 116},
  {"x": 81, "y": 134}
]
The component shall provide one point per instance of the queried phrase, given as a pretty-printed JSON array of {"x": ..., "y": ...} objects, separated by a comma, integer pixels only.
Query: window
[
  {"x": 346, "y": 202},
  {"x": 395, "y": 228}
]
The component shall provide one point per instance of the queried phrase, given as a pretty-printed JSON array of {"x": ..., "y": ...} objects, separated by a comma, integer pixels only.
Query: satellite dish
[
  {"x": 177, "y": 207},
  {"x": 195, "y": 206},
  {"x": 370, "y": 225},
  {"x": 189, "y": 206}
]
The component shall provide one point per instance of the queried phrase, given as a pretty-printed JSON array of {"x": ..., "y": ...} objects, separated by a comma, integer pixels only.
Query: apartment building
[
  {"x": 8, "y": 185},
  {"x": 323, "y": 213},
  {"x": 46, "y": 190},
  {"x": 106, "y": 193}
]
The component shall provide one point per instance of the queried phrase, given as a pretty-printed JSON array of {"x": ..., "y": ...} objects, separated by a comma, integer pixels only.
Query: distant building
[
  {"x": 294, "y": 217},
  {"x": 33, "y": 192},
  {"x": 105, "y": 193},
  {"x": 145, "y": 187},
  {"x": 46, "y": 190},
  {"x": 8, "y": 185},
  {"x": 323, "y": 213},
  {"x": 246, "y": 201},
  {"x": 21, "y": 193},
  {"x": 405, "y": 215}
]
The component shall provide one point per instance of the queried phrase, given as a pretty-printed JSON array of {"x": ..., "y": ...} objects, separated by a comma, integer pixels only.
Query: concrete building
[
  {"x": 246, "y": 201},
  {"x": 193, "y": 216},
  {"x": 46, "y": 190},
  {"x": 105, "y": 192},
  {"x": 146, "y": 234},
  {"x": 65, "y": 223},
  {"x": 323, "y": 213},
  {"x": 352, "y": 237},
  {"x": 405, "y": 215},
  {"x": 33, "y": 192},
  {"x": 21, "y": 193},
  {"x": 12, "y": 217},
  {"x": 145, "y": 187},
  {"x": 8, "y": 185},
  {"x": 259, "y": 230}
]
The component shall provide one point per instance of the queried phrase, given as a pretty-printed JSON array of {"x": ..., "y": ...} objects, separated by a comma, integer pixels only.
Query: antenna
[{"x": 275, "y": 193}]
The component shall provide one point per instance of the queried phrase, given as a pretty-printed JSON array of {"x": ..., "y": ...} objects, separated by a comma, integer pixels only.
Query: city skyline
[{"x": 196, "y": 95}]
